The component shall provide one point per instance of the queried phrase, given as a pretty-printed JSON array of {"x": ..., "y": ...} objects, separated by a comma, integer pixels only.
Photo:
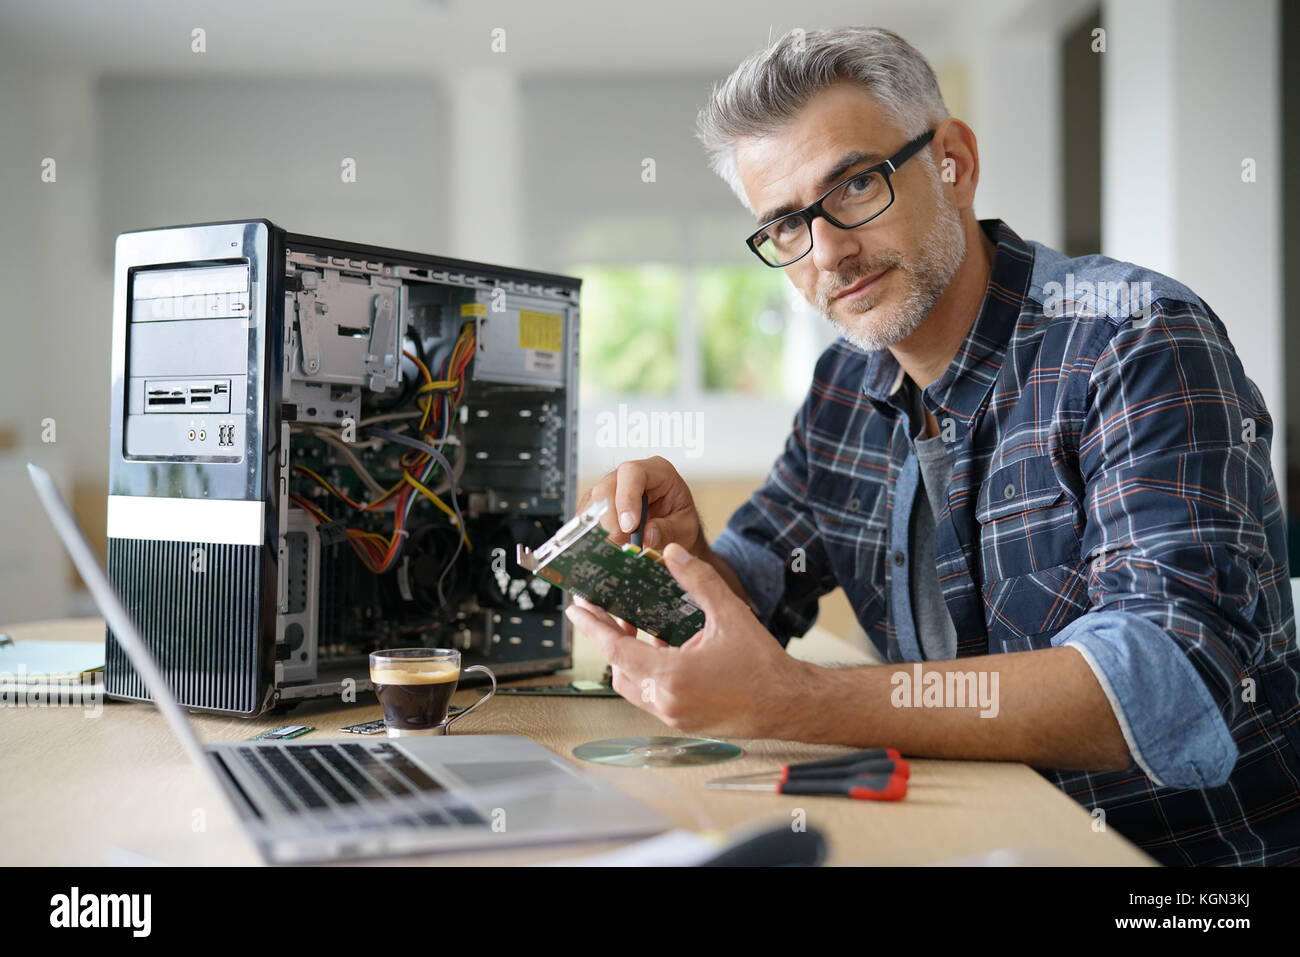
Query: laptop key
[
  {"x": 251, "y": 761},
  {"x": 314, "y": 769},
  {"x": 293, "y": 777},
  {"x": 403, "y": 767},
  {"x": 347, "y": 770},
  {"x": 465, "y": 814},
  {"x": 394, "y": 785}
]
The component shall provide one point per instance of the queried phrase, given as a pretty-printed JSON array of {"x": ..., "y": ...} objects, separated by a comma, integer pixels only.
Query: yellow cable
[
  {"x": 326, "y": 485},
  {"x": 424, "y": 490},
  {"x": 420, "y": 365}
]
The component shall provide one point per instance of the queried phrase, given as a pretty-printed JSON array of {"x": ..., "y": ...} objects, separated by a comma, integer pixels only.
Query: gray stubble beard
[{"x": 925, "y": 279}]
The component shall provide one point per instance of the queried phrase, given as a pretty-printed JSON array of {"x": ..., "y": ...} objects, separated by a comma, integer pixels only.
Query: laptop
[{"x": 310, "y": 801}]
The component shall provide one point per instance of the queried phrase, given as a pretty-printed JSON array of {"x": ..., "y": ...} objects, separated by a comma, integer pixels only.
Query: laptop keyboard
[{"x": 316, "y": 777}]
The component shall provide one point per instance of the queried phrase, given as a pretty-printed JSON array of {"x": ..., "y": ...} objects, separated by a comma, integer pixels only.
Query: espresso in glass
[{"x": 415, "y": 685}]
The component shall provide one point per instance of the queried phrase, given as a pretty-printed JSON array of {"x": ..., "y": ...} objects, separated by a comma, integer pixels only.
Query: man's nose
[{"x": 832, "y": 245}]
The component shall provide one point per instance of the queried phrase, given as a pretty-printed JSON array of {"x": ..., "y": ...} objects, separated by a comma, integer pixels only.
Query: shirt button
[
  {"x": 853, "y": 504},
  {"x": 898, "y": 558},
  {"x": 1009, "y": 491}
]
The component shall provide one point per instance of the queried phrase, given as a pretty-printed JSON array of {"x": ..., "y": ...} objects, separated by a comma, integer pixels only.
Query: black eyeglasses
[{"x": 849, "y": 204}]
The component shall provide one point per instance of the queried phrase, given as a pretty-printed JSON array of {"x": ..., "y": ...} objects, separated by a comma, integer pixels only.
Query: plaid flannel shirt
[{"x": 1112, "y": 491}]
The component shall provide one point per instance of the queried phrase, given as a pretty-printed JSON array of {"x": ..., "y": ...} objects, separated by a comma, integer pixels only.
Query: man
[{"x": 1039, "y": 477}]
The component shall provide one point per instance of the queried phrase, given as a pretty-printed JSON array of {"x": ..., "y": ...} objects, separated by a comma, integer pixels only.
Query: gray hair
[{"x": 772, "y": 85}]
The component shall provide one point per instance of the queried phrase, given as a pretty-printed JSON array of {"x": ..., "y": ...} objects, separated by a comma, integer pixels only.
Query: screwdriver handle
[
  {"x": 853, "y": 757},
  {"x": 638, "y": 534},
  {"x": 799, "y": 772},
  {"x": 870, "y": 787}
]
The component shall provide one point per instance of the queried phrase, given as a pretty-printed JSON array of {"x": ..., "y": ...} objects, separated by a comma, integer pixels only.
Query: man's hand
[
  {"x": 732, "y": 678},
  {"x": 670, "y": 511},
  {"x": 671, "y": 515}
]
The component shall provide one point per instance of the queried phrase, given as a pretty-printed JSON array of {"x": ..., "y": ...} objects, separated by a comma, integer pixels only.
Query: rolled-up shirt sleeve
[
  {"x": 1175, "y": 456},
  {"x": 759, "y": 569},
  {"x": 1171, "y": 724}
]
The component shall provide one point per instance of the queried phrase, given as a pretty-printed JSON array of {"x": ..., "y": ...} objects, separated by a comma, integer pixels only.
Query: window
[
  {"x": 743, "y": 319},
  {"x": 630, "y": 325},
  {"x": 698, "y": 358},
  {"x": 665, "y": 330}
]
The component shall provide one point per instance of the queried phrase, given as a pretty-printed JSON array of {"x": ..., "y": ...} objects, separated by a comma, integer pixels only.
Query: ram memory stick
[
  {"x": 282, "y": 733},
  {"x": 628, "y": 582}
]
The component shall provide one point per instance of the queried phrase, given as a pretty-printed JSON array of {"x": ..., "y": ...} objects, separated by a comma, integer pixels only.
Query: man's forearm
[{"x": 1045, "y": 708}]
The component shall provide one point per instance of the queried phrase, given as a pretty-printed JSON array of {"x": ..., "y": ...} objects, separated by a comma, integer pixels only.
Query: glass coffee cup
[{"x": 415, "y": 685}]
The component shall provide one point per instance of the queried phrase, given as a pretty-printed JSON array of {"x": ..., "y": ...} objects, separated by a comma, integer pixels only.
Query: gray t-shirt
[{"x": 934, "y": 628}]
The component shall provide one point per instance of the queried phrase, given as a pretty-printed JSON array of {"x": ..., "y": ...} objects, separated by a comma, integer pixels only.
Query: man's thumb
[{"x": 700, "y": 579}]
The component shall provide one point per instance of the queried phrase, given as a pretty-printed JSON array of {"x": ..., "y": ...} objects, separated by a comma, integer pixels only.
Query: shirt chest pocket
[
  {"x": 849, "y": 512},
  {"x": 845, "y": 501},
  {"x": 1028, "y": 521}
]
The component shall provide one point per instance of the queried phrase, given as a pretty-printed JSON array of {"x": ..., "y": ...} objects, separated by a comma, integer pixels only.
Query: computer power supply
[{"x": 320, "y": 449}]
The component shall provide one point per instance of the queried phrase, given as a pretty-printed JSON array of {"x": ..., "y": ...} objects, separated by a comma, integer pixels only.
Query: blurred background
[{"x": 560, "y": 136}]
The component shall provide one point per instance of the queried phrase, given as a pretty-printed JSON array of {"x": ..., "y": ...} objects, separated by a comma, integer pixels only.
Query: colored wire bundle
[{"x": 437, "y": 399}]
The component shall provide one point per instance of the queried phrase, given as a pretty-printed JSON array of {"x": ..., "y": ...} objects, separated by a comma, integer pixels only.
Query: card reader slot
[{"x": 181, "y": 395}]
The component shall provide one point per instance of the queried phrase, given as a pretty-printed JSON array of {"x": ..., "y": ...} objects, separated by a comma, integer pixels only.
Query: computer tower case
[{"x": 320, "y": 449}]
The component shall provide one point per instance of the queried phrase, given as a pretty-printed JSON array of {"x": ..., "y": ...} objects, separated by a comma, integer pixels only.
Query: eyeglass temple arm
[{"x": 908, "y": 151}]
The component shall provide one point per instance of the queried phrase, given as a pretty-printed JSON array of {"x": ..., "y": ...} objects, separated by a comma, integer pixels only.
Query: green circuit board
[{"x": 630, "y": 583}]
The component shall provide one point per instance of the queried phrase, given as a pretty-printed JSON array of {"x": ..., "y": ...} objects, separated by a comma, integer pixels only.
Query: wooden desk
[{"x": 116, "y": 788}]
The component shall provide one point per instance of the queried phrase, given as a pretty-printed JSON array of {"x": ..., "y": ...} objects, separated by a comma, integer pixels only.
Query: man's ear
[{"x": 956, "y": 154}]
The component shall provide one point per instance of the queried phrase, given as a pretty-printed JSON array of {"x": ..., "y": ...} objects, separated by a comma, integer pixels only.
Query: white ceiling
[{"x": 428, "y": 37}]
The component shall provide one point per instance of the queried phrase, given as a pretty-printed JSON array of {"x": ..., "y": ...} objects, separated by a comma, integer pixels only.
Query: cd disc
[{"x": 656, "y": 752}]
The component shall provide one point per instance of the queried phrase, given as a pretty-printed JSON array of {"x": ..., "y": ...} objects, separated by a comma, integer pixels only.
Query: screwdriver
[{"x": 874, "y": 774}]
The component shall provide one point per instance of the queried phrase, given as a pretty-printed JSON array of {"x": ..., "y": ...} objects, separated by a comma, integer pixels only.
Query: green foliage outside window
[
  {"x": 742, "y": 319},
  {"x": 629, "y": 329},
  {"x": 632, "y": 323}
]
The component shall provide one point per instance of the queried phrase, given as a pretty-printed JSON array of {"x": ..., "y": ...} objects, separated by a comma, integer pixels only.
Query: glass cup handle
[{"x": 446, "y": 728}]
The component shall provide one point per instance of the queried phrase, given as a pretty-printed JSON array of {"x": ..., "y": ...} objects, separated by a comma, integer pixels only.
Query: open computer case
[{"x": 320, "y": 449}]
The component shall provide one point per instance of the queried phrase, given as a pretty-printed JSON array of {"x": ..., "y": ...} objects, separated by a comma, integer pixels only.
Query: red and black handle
[{"x": 863, "y": 787}]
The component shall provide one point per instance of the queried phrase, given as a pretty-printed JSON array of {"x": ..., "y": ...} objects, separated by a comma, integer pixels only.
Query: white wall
[
  {"x": 1015, "y": 112},
  {"x": 584, "y": 142},
  {"x": 179, "y": 150},
  {"x": 37, "y": 325},
  {"x": 1190, "y": 90},
  {"x": 26, "y": 361}
]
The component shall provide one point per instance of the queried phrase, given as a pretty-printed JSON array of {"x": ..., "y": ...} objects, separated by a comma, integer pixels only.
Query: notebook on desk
[
  {"x": 334, "y": 800},
  {"x": 50, "y": 673},
  {"x": 52, "y": 659}
]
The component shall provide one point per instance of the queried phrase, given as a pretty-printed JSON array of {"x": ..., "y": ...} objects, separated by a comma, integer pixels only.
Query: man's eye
[
  {"x": 787, "y": 227},
  {"x": 862, "y": 186}
]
